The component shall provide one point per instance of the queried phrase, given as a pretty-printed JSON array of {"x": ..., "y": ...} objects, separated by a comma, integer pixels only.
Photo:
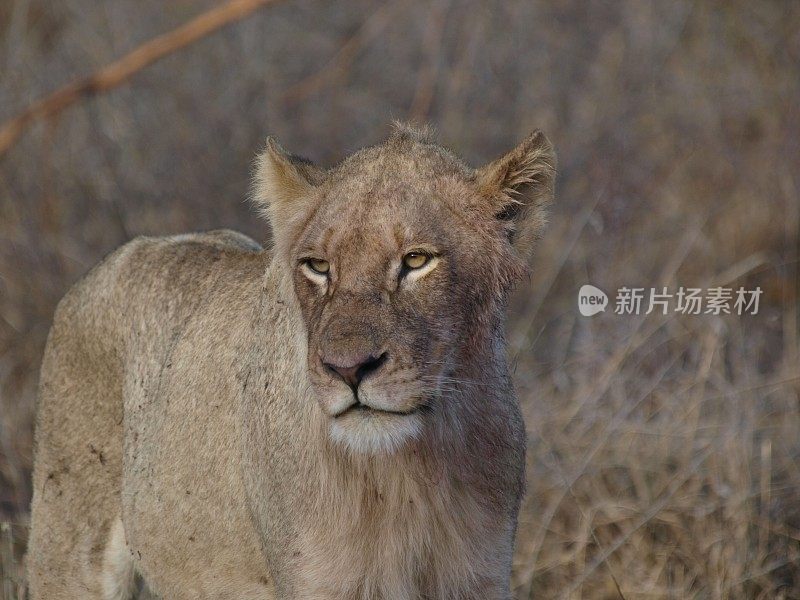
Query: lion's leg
[{"x": 77, "y": 466}]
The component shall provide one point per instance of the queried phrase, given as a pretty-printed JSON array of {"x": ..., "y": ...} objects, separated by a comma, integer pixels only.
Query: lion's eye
[
  {"x": 416, "y": 260},
  {"x": 319, "y": 265}
]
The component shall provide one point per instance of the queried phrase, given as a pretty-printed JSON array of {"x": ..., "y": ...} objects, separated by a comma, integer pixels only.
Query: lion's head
[{"x": 402, "y": 258}]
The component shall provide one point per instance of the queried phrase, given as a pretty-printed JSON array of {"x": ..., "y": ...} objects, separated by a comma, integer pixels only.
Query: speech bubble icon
[{"x": 591, "y": 300}]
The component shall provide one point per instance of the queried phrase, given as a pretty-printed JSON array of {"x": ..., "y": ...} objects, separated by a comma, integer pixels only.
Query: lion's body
[
  {"x": 180, "y": 442},
  {"x": 138, "y": 378}
]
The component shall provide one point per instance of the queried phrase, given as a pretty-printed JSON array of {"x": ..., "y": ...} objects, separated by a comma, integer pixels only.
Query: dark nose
[{"x": 353, "y": 374}]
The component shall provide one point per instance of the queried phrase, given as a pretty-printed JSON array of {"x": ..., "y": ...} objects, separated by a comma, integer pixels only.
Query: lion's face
[
  {"x": 379, "y": 272},
  {"x": 395, "y": 265}
]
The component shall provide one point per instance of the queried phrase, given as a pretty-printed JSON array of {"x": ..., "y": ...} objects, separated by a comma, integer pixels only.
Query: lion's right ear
[
  {"x": 283, "y": 186},
  {"x": 519, "y": 187}
]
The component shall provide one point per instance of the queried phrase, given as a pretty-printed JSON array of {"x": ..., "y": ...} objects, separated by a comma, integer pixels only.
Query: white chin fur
[{"x": 375, "y": 433}]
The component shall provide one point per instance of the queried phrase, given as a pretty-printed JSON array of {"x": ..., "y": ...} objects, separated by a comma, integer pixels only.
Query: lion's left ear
[
  {"x": 283, "y": 186},
  {"x": 519, "y": 186}
]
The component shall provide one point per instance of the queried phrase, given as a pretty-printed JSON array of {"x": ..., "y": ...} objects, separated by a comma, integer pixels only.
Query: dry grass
[
  {"x": 663, "y": 470},
  {"x": 664, "y": 456}
]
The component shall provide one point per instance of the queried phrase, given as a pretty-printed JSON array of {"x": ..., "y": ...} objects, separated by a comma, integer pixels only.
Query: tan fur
[{"x": 192, "y": 434}]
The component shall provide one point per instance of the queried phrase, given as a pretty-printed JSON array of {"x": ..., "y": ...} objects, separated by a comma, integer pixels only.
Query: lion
[{"x": 329, "y": 418}]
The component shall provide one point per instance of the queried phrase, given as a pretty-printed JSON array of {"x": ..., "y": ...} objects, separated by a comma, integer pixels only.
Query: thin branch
[
  {"x": 429, "y": 71},
  {"x": 119, "y": 71},
  {"x": 344, "y": 57}
]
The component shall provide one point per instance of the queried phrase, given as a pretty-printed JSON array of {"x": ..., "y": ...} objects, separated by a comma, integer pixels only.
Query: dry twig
[
  {"x": 344, "y": 57},
  {"x": 119, "y": 71},
  {"x": 429, "y": 71}
]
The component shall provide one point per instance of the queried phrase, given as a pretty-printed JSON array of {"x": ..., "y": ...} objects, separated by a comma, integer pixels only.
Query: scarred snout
[{"x": 357, "y": 368}]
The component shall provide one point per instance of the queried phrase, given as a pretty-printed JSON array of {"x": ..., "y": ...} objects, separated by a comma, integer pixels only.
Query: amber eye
[
  {"x": 319, "y": 265},
  {"x": 415, "y": 260}
]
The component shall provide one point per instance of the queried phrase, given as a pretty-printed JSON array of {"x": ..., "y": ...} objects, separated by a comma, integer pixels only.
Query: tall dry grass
[{"x": 664, "y": 455}]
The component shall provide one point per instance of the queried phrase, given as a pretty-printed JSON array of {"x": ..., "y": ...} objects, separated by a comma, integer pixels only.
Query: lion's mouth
[{"x": 364, "y": 409}]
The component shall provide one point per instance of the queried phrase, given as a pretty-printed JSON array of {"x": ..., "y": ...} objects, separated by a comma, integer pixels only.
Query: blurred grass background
[{"x": 664, "y": 451}]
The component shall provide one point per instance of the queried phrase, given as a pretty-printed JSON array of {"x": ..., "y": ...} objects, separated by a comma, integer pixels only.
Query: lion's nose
[{"x": 353, "y": 374}]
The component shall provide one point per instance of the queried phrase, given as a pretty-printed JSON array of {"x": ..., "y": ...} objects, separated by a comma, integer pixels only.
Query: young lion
[{"x": 329, "y": 419}]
